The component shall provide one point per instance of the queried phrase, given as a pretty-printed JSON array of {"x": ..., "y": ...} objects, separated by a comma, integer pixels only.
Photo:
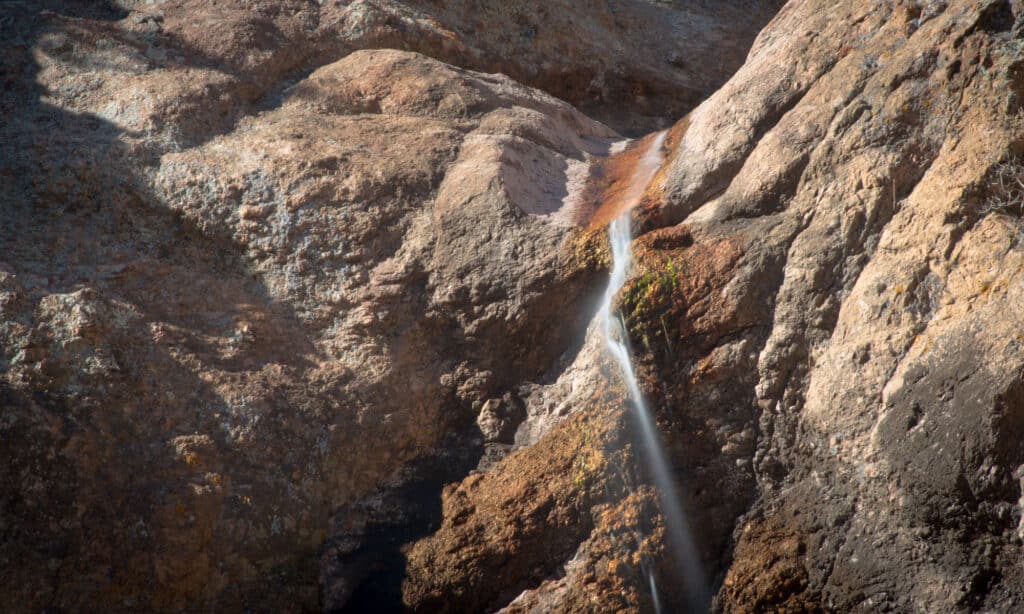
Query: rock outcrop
[
  {"x": 296, "y": 301},
  {"x": 272, "y": 273},
  {"x": 865, "y": 193},
  {"x": 824, "y": 314}
]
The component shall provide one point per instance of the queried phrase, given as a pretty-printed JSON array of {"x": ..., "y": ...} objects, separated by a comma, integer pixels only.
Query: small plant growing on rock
[
  {"x": 1006, "y": 191},
  {"x": 646, "y": 301},
  {"x": 650, "y": 288}
]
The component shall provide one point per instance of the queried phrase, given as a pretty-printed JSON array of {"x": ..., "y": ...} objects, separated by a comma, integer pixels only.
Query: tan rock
[{"x": 274, "y": 275}]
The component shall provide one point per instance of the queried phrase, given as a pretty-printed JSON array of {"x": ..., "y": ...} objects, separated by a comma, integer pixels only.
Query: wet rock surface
[{"x": 295, "y": 306}]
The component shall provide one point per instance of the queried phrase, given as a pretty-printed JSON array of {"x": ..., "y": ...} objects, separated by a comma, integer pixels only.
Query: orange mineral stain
[{"x": 632, "y": 177}]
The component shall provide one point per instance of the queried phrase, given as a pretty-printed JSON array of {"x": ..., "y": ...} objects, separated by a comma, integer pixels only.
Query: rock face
[
  {"x": 295, "y": 306},
  {"x": 272, "y": 273},
  {"x": 862, "y": 191}
]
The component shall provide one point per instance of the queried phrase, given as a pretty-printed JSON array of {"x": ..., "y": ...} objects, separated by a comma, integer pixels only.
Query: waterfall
[{"x": 649, "y": 443}]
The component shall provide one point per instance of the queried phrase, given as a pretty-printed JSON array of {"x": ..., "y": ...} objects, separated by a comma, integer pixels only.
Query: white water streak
[{"x": 651, "y": 448}]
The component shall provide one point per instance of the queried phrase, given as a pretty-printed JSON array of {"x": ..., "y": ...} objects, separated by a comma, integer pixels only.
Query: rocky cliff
[{"x": 297, "y": 301}]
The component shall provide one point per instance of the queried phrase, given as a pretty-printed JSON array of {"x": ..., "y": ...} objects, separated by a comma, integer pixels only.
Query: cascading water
[{"x": 650, "y": 445}]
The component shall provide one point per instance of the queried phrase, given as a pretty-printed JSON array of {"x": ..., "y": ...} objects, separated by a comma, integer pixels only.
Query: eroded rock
[{"x": 270, "y": 291}]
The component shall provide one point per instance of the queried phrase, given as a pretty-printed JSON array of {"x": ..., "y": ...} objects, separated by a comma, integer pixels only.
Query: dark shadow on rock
[
  {"x": 362, "y": 564},
  {"x": 75, "y": 222}
]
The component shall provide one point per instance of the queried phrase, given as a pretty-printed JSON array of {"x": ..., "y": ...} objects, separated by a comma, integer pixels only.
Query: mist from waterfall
[{"x": 649, "y": 444}]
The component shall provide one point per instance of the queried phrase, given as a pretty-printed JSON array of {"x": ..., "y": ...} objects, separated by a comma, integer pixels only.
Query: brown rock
[
  {"x": 270, "y": 290},
  {"x": 813, "y": 332}
]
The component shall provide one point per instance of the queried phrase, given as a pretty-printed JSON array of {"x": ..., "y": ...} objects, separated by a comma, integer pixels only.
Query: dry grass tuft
[{"x": 1006, "y": 192}]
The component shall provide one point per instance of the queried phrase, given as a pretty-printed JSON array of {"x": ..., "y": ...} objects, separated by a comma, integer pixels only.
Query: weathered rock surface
[
  {"x": 294, "y": 305},
  {"x": 627, "y": 63},
  {"x": 267, "y": 285},
  {"x": 824, "y": 314},
  {"x": 875, "y": 284}
]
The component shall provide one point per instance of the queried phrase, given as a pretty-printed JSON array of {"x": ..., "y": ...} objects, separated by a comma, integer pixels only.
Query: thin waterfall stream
[{"x": 649, "y": 442}]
